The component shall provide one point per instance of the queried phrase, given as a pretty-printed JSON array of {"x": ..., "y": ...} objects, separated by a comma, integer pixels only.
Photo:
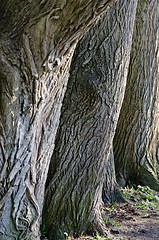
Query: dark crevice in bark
[{"x": 111, "y": 190}]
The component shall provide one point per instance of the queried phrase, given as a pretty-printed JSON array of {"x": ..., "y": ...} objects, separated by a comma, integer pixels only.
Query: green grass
[
  {"x": 145, "y": 197},
  {"x": 43, "y": 230}
]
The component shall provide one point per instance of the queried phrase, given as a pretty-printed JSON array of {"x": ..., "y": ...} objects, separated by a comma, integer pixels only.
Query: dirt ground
[
  {"x": 138, "y": 219},
  {"x": 136, "y": 225},
  {"x": 132, "y": 225}
]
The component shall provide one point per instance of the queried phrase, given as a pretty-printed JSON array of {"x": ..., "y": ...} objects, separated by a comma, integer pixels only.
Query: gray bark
[
  {"x": 90, "y": 110},
  {"x": 37, "y": 40},
  {"x": 135, "y": 143}
]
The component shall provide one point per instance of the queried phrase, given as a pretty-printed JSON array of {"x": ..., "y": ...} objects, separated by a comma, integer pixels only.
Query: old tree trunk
[
  {"x": 135, "y": 143},
  {"x": 83, "y": 156},
  {"x": 90, "y": 110},
  {"x": 37, "y": 40}
]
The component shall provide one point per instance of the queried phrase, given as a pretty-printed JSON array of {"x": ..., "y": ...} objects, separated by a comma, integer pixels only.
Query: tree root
[{"x": 97, "y": 221}]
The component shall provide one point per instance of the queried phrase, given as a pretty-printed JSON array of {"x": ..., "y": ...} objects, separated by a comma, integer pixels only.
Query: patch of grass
[
  {"x": 43, "y": 231},
  {"x": 99, "y": 237},
  {"x": 117, "y": 224},
  {"x": 112, "y": 222},
  {"x": 144, "y": 197}
]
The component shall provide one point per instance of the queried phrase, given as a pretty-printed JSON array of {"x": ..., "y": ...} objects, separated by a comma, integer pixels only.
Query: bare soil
[{"x": 135, "y": 224}]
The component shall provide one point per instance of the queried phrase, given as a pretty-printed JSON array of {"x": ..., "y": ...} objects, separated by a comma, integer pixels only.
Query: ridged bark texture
[
  {"x": 29, "y": 118},
  {"x": 37, "y": 40},
  {"x": 135, "y": 142},
  {"x": 73, "y": 199}
]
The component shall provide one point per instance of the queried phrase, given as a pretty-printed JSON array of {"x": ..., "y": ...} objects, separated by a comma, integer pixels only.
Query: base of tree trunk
[
  {"x": 95, "y": 225},
  {"x": 147, "y": 177},
  {"x": 98, "y": 221}
]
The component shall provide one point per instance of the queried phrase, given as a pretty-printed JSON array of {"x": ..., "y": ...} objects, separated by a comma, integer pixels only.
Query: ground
[
  {"x": 136, "y": 219},
  {"x": 140, "y": 224}
]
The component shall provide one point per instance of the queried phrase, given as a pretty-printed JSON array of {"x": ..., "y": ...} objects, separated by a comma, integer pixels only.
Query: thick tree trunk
[
  {"x": 37, "y": 40},
  {"x": 73, "y": 200},
  {"x": 135, "y": 143},
  {"x": 29, "y": 122}
]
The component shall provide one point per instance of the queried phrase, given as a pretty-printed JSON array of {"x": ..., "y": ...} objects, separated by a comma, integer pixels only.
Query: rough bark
[
  {"x": 135, "y": 143},
  {"x": 73, "y": 199},
  {"x": 37, "y": 40}
]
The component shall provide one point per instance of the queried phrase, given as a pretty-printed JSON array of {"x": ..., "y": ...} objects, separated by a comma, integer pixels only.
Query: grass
[
  {"x": 143, "y": 196},
  {"x": 43, "y": 230}
]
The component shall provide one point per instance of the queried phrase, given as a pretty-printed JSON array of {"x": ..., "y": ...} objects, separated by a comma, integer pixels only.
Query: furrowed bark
[
  {"x": 90, "y": 110},
  {"x": 135, "y": 142},
  {"x": 29, "y": 119},
  {"x": 37, "y": 40}
]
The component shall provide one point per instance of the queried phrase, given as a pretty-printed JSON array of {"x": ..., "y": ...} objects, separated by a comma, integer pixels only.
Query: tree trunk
[
  {"x": 90, "y": 110},
  {"x": 135, "y": 142},
  {"x": 37, "y": 40}
]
